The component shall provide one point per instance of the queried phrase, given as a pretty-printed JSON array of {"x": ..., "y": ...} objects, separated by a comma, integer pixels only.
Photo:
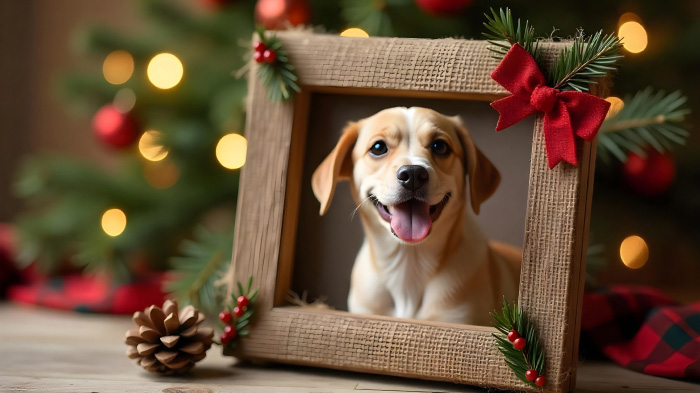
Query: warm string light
[
  {"x": 231, "y": 151},
  {"x": 632, "y": 32},
  {"x": 113, "y": 222},
  {"x": 124, "y": 100},
  {"x": 165, "y": 70},
  {"x": 150, "y": 147},
  {"x": 161, "y": 175},
  {"x": 118, "y": 67},
  {"x": 634, "y": 252},
  {"x": 354, "y": 32},
  {"x": 616, "y": 105}
]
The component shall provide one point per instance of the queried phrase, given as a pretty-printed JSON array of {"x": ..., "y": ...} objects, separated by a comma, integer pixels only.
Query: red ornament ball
[
  {"x": 242, "y": 301},
  {"x": 650, "y": 175},
  {"x": 225, "y": 316},
  {"x": 519, "y": 343},
  {"x": 114, "y": 128},
  {"x": 540, "y": 381},
  {"x": 269, "y": 56},
  {"x": 238, "y": 311},
  {"x": 258, "y": 46},
  {"x": 512, "y": 335},
  {"x": 531, "y": 375},
  {"x": 443, "y": 7},
  {"x": 225, "y": 339},
  {"x": 258, "y": 57},
  {"x": 275, "y": 14}
]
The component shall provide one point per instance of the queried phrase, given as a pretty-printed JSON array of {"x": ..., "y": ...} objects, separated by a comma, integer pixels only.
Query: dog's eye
[
  {"x": 378, "y": 149},
  {"x": 440, "y": 147}
]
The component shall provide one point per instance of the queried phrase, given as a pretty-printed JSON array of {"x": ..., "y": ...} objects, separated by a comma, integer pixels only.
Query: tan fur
[{"x": 454, "y": 274}]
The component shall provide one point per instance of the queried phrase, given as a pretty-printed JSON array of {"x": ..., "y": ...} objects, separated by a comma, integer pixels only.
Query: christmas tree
[{"x": 170, "y": 103}]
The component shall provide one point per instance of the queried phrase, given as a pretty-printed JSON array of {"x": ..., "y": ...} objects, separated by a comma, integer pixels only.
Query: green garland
[
  {"x": 517, "y": 340},
  {"x": 576, "y": 67},
  {"x": 278, "y": 76}
]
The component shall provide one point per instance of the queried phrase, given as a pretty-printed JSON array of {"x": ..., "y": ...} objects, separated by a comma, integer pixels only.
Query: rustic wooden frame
[{"x": 555, "y": 241}]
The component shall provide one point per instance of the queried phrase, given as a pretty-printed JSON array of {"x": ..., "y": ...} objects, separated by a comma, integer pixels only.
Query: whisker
[{"x": 352, "y": 215}]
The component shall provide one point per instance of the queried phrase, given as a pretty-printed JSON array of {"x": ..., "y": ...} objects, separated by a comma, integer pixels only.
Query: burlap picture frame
[{"x": 556, "y": 224}]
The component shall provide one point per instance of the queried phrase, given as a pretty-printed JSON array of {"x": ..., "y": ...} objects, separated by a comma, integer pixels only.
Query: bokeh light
[
  {"x": 114, "y": 222},
  {"x": 165, "y": 70},
  {"x": 118, "y": 67},
  {"x": 634, "y": 252},
  {"x": 231, "y": 151},
  {"x": 150, "y": 147},
  {"x": 124, "y": 100},
  {"x": 354, "y": 32},
  {"x": 162, "y": 174},
  {"x": 616, "y": 105},
  {"x": 633, "y": 34}
]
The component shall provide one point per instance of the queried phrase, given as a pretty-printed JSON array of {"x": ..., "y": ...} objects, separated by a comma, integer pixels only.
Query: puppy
[{"x": 424, "y": 256}]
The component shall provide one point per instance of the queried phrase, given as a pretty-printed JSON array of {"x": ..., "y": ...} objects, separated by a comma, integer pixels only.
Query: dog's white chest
[{"x": 406, "y": 276}]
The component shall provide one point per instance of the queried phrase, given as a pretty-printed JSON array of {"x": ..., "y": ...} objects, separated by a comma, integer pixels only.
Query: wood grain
[
  {"x": 556, "y": 222},
  {"x": 85, "y": 353}
]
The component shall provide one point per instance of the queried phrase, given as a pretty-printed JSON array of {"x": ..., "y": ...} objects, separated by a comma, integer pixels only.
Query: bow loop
[{"x": 567, "y": 114}]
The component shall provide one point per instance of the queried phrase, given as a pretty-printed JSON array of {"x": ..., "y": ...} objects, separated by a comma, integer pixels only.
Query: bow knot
[
  {"x": 567, "y": 114},
  {"x": 544, "y": 98}
]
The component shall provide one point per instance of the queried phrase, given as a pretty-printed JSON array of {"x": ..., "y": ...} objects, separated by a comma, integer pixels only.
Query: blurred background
[{"x": 122, "y": 133}]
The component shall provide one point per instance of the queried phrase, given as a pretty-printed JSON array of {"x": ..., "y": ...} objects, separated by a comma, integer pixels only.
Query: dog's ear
[
  {"x": 336, "y": 167},
  {"x": 484, "y": 178}
]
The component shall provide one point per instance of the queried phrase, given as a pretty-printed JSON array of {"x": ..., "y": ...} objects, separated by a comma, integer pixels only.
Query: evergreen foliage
[{"x": 532, "y": 356}]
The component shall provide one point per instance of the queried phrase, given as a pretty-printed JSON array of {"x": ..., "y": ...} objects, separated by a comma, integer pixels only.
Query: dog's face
[{"x": 410, "y": 166}]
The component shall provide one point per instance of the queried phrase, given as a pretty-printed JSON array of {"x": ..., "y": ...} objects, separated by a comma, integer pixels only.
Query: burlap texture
[{"x": 554, "y": 234}]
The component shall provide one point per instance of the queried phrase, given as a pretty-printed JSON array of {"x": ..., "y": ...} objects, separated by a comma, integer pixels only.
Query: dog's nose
[{"x": 412, "y": 177}]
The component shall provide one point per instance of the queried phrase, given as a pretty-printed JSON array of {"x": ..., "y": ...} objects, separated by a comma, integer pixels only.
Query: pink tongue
[{"x": 411, "y": 220}]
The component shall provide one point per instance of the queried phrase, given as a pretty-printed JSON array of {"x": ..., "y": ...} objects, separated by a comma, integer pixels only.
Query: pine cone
[{"x": 167, "y": 343}]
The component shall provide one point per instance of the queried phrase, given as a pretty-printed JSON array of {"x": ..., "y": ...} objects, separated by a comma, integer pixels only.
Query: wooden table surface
[{"x": 44, "y": 350}]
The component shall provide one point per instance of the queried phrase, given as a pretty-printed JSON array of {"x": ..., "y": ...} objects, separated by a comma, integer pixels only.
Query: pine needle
[
  {"x": 503, "y": 32},
  {"x": 646, "y": 120},
  {"x": 587, "y": 59},
  {"x": 532, "y": 356},
  {"x": 194, "y": 274},
  {"x": 279, "y": 77}
]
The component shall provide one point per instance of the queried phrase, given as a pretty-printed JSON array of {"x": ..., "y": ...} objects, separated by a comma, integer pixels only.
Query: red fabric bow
[{"x": 566, "y": 113}]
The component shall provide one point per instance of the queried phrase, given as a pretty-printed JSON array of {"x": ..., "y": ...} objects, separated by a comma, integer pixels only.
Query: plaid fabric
[
  {"x": 643, "y": 329},
  {"x": 88, "y": 293}
]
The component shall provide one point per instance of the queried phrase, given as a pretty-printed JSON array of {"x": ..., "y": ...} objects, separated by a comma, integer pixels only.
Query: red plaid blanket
[{"x": 643, "y": 329}]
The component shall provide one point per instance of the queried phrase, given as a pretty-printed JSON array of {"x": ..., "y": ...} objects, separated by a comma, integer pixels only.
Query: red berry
[
  {"x": 540, "y": 381},
  {"x": 269, "y": 56},
  {"x": 225, "y": 339},
  {"x": 531, "y": 375},
  {"x": 238, "y": 311},
  {"x": 258, "y": 57},
  {"x": 242, "y": 301},
  {"x": 513, "y": 335},
  {"x": 230, "y": 331},
  {"x": 519, "y": 343},
  {"x": 225, "y": 316},
  {"x": 258, "y": 46}
]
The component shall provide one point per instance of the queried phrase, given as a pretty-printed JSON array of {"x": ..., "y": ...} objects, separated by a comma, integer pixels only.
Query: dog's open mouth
[{"x": 412, "y": 219}]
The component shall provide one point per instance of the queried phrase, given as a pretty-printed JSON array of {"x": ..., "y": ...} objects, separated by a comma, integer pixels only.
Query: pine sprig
[
  {"x": 503, "y": 32},
  {"x": 278, "y": 77},
  {"x": 587, "y": 58},
  {"x": 532, "y": 356},
  {"x": 240, "y": 323},
  {"x": 194, "y": 274},
  {"x": 646, "y": 119}
]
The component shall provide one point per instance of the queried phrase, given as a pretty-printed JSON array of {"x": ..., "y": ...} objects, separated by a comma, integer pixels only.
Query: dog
[{"x": 424, "y": 256}]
